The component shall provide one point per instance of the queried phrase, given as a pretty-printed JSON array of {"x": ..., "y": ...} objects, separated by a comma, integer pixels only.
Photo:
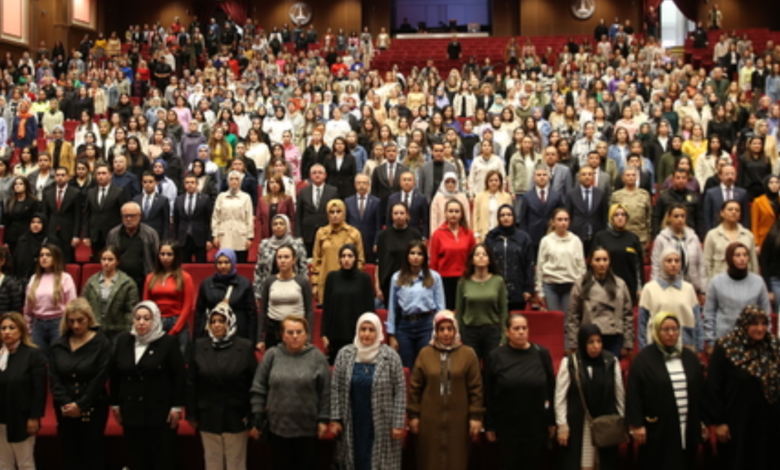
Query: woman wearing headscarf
[
  {"x": 729, "y": 292},
  {"x": 593, "y": 376},
  {"x": 514, "y": 256},
  {"x": 147, "y": 389},
  {"x": 328, "y": 243},
  {"x": 765, "y": 210},
  {"x": 682, "y": 238},
  {"x": 232, "y": 223},
  {"x": 728, "y": 231},
  {"x": 281, "y": 234},
  {"x": 220, "y": 369},
  {"x": 227, "y": 286},
  {"x": 348, "y": 294},
  {"x": 22, "y": 392},
  {"x": 174, "y": 168},
  {"x": 448, "y": 189},
  {"x": 624, "y": 248},
  {"x": 519, "y": 394},
  {"x": 669, "y": 292},
  {"x": 392, "y": 245},
  {"x": 664, "y": 410},
  {"x": 744, "y": 378},
  {"x": 165, "y": 186},
  {"x": 28, "y": 246},
  {"x": 368, "y": 401},
  {"x": 445, "y": 406}
]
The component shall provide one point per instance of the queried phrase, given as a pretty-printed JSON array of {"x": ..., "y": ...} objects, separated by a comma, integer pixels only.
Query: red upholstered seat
[
  {"x": 75, "y": 272},
  {"x": 547, "y": 329}
]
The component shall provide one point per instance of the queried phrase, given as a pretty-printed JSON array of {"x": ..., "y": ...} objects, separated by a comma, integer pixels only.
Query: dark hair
[
  {"x": 511, "y": 317},
  {"x": 470, "y": 269},
  {"x": 159, "y": 273},
  {"x": 405, "y": 276},
  {"x": 610, "y": 284},
  {"x": 351, "y": 247},
  {"x": 8, "y": 260},
  {"x": 288, "y": 247},
  {"x": 113, "y": 250}
]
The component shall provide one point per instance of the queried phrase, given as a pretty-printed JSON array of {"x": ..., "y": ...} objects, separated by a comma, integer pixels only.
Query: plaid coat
[{"x": 388, "y": 404}]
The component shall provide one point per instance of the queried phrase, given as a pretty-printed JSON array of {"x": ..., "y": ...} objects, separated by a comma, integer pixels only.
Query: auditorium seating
[{"x": 703, "y": 57}]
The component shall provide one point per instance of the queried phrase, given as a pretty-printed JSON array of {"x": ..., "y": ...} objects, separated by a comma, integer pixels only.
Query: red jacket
[
  {"x": 448, "y": 253},
  {"x": 173, "y": 302}
]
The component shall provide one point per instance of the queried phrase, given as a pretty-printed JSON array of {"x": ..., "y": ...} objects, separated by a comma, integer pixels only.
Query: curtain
[
  {"x": 236, "y": 10},
  {"x": 689, "y": 8}
]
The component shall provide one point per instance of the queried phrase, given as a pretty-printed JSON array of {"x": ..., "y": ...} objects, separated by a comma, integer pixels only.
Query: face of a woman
[
  {"x": 774, "y": 184},
  {"x": 561, "y": 222},
  {"x": 166, "y": 256},
  {"x": 672, "y": 264},
  {"x": 142, "y": 321},
  {"x": 293, "y": 335},
  {"x": 367, "y": 334},
  {"x": 347, "y": 259},
  {"x": 600, "y": 262},
  {"x": 670, "y": 333},
  {"x": 619, "y": 219},
  {"x": 10, "y": 333},
  {"x": 78, "y": 323},
  {"x": 506, "y": 217},
  {"x": 108, "y": 261},
  {"x": 757, "y": 329},
  {"x": 756, "y": 146},
  {"x": 224, "y": 265},
  {"x": 517, "y": 333},
  {"x": 494, "y": 183},
  {"x": 234, "y": 182},
  {"x": 279, "y": 167},
  {"x": 678, "y": 220},
  {"x": 481, "y": 259},
  {"x": 445, "y": 333},
  {"x": 594, "y": 346},
  {"x": 218, "y": 326},
  {"x": 731, "y": 213},
  {"x": 454, "y": 213},
  {"x": 284, "y": 259},
  {"x": 741, "y": 258},
  {"x": 45, "y": 259},
  {"x": 335, "y": 215},
  {"x": 278, "y": 227}
]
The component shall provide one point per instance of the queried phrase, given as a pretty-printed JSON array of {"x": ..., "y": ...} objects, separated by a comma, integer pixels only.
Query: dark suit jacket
[
  {"x": 199, "y": 223},
  {"x": 343, "y": 179},
  {"x": 99, "y": 220},
  {"x": 311, "y": 156},
  {"x": 146, "y": 392},
  {"x": 485, "y": 102},
  {"x": 33, "y": 179},
  {"x": 25, "y": 391},
  {"x": 713, "y": 201},
  {"x": 371, "y": 223},
  {"x": 219, "y": 389},
  {"x": 382, "y": 188},
  {"x": 535, "y": 216},
  {"x": 581, "y": 217},
  {"x": 159, "y": 217},
  {"x": 654, "y": 150},
  {"x": 419, "y": 212},
  {"x": 64, "y": 224},
  {"x": 308, "y": 218}
]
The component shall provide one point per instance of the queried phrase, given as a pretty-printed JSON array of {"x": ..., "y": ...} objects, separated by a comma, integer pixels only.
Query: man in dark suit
[
  {"x": 416, "y": 202},
  {"x": 386, "y": 179},
  {"x": 62, "y": 205},
  {"x": 538, "y": 205},
  {"x": 588, "y": 207},
  {"x": 102, "y": 208},
  {"x": 363, "y": 214},
  {"x": 156, "y": 208},
  {"x": 192, "y": 221},
  {"x": 725, "y": 191},
  {"x": 310, "y": 210}
]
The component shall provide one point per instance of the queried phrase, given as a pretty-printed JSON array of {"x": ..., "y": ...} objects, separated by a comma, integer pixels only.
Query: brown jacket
[
  {"x": 613, "y": 316},
  {"x": 67, "y": 156}
]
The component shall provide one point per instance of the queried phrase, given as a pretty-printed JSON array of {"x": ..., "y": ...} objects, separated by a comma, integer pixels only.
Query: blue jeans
[
  {"x": 412, "y": 336},
  {"x": 774, "y": 287},
  {"x": 44, "y": 332},
  {"x": 168, "y": 323},
  {"x": 558, "y": 297}
]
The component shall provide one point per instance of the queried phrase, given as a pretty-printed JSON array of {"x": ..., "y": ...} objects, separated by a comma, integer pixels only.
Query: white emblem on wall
[
  {"x": 583, "y": 9},
  {"x": 300, "y": 13}
]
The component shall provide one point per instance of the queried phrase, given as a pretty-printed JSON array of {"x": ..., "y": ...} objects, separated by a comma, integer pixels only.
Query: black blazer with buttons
[
  {"x": 218, "y": 383},
  {"x": 80, "y": 376},
  {"x": 25, "y": 394},
  {"x": 146, "y": 392}
]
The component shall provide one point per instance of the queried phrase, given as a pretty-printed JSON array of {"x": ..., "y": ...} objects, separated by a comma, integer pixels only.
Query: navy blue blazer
[
  {"x": 581, "y": 217},
  {"x": 159, "y": 217},
  {"x": 419, "y": 212},
  {"x": 713, "y": 201},
  {"x": 371, "y": 223},
  {"x": 535, "y": 216}
]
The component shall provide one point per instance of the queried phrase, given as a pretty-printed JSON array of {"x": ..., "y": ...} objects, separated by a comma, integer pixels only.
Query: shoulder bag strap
[
  {"x": 579, "y": 387},
  {"x": 228, "y": 293}
]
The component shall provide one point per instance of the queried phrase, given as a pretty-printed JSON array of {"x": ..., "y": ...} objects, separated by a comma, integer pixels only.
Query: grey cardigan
[
  {"x": 148, "y": 236},
  {"x": 292, "y": 391}
]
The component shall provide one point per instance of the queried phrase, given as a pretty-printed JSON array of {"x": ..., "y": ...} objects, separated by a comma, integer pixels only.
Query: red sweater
[
  {"x": 448, "y": 253},
  {"x": 172, "y": 302}
]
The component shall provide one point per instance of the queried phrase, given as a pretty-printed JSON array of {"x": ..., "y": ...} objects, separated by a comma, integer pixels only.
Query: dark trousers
[
  {"x": 241, "y": 256},
  {"x": 309, "y": 248},
  {"x": 334, "y": 347},
  {"x": 412, "y": 336},
  {"x": 68, "y": 253},
  {"x": 272, "y": 334},
  {"x": 82, "y": 441},
  {"x": 516, "y": 306},
  {"x": 482, "y": 339},
  {"x": 190, "y": 250},
  {"x": 520, "y": 452},
  {"x": 612, "y": 343},
  {"x": 450, "y": 291},
  {"x": 97, "y": 246},
  {"x": 151, "y": 447},
  {"x": 296, "y": 453}
]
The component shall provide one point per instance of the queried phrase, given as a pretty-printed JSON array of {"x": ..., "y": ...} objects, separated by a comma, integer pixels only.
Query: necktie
[
  {"x": 406, "y": 199},
  {"x": 728, "y": 194},
  {"x": 390, "y": 174},
  {"x": 362, "y": 206},
  {"x": 191, "y": 205},
  {"x": 542, "y": 196},
  {"x": 588, "y": 199},
  {"x": 317, "y": 196},
  {"x": 102, "y": 196},
  {"x": 147, "y": 204},
  {"x": 59, "y": 198}
]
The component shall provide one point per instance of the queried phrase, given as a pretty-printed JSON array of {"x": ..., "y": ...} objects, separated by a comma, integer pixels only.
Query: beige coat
[
  {"x": 613, "y": 316},
  {"x": 715, "y": 249},
  {"x": 231, "y": 220},
  {"x": 327, "y": 244},
  {"x": 483, "y": 221}
]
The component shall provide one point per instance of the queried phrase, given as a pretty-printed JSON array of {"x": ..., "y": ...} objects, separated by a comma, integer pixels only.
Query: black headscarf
[
  {"x": 734, "y": 272},
  {"x": 506, "y": 231},
  {"x": 773, "y": 197},
  {"x": 595, "y": 383},
  {"x": 350, "y": 272}
]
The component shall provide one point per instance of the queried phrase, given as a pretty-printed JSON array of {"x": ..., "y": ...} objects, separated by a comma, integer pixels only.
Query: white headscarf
[
  {"x": 223, "y": 309},
  {"x": 367, "y": 354},
  {"x": 443, "y": 188},
  {"x": 156, "y": 331}
]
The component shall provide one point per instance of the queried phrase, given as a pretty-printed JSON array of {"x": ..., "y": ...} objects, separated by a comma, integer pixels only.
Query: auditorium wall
[{"x": 554, "y": 17}]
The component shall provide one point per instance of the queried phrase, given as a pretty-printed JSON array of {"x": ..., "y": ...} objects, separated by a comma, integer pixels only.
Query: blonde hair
[{"x": 79, "y": 305}]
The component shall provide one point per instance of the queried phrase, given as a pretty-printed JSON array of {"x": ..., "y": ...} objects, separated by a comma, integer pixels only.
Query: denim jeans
[
  {"x": 774, "y": 286},
  {"x": 482, "y": 339},
  {"x": 558, "y": 297},
  {"x": 412, "y": 336},
  {"x": 168, "y": 323},
  {"x": 44, "y": 332}
]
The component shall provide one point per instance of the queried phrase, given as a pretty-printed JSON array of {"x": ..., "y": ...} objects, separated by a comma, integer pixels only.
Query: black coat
[
  {"x": 198, "y": 224},
  {"x": 25, "y": 379},
  {"x": 17, "y": 219},
  {"x": 625, "y": 256},
  {"x": 242, "y": 302},
  {"x": 64, "y": 223},
  {"x": 80, "y": 376},
  {"x": 12, "y": 292},
  {"x": 218, "y": 383},
  {"x": 650, "y": 403},
  {"x": 514, "y": 257},
  {"x": 348, "y": 294},
  {"x": 343, "y": 178},
  {"x": 308, "y": 218},
  {"x": 581, "y": 217},
  {"x": 312, "y": 156},
  {"x": 99, "y": 220},
  {"x": 146, "y": 392}
]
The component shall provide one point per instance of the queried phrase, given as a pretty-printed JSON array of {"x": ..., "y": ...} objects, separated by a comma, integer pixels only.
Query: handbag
[{"x": 605, "y": 431}]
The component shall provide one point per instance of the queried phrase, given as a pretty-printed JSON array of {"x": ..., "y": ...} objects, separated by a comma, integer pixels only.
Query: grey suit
[
  {"x": 560, "y": 179},
  {"x": 425, "y": 183}
]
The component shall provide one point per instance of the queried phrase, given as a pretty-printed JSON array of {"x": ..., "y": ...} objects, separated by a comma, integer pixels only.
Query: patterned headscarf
[
  {"x": 759, "y": 359},
  {"x": 223, "y": 309}
]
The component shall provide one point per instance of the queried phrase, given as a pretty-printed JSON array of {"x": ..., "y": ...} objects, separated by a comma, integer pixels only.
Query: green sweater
[{"x": 481, "y": 303}]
